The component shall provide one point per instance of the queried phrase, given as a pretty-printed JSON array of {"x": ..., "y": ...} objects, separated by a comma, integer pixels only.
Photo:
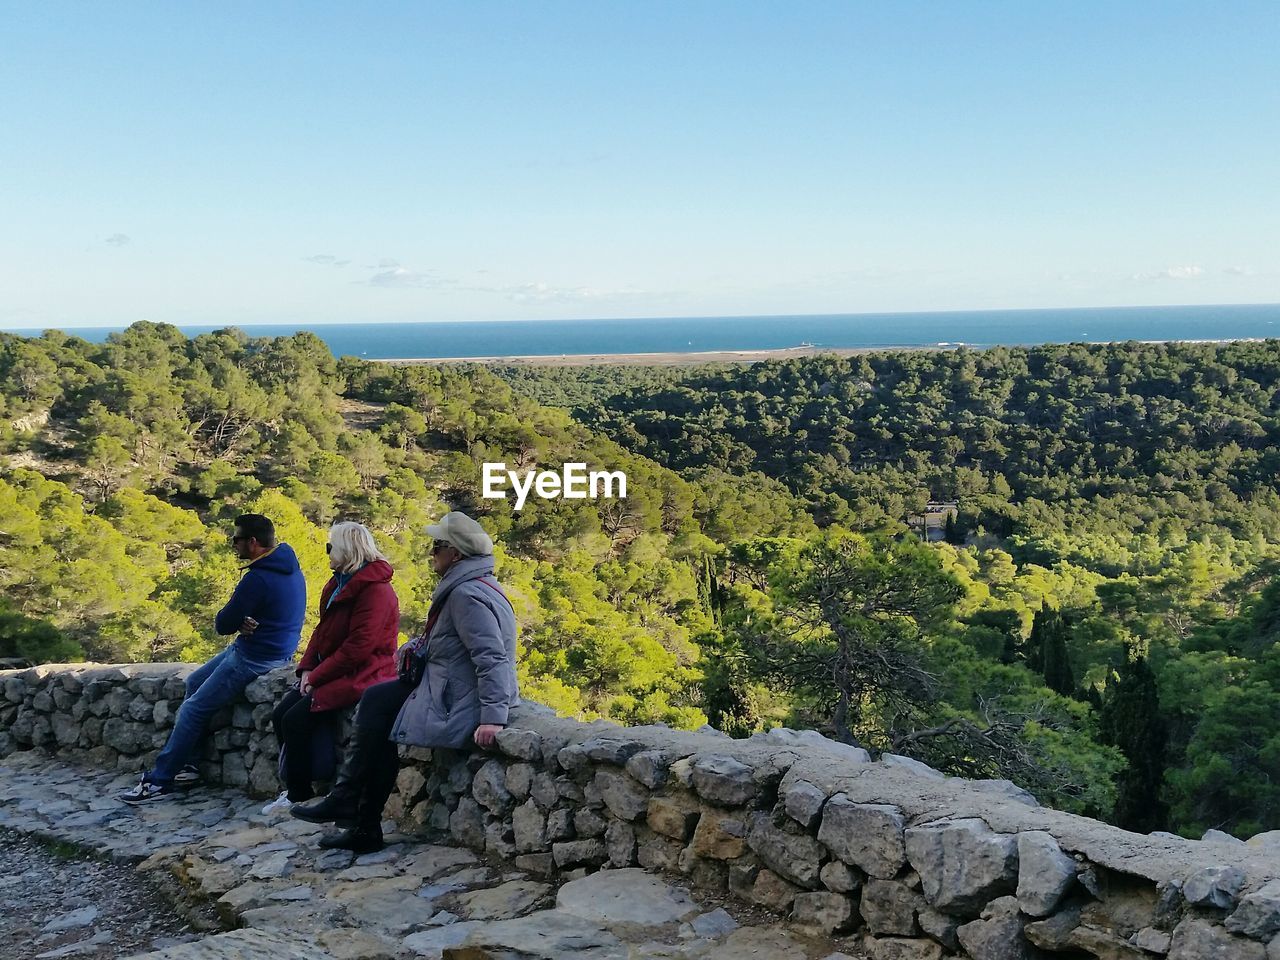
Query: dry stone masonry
[{"x": 890, "y": 858}]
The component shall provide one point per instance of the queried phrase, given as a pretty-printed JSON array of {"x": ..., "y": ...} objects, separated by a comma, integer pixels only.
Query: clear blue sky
[{"x": 329, "y": 162}]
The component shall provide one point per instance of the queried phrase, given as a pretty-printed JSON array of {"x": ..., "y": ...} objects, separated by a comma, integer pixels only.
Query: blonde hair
[{"x": 353, "y": 546}]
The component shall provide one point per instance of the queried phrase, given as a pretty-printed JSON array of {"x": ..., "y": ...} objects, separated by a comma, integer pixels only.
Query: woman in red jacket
[{"x": 352, "y": 648}]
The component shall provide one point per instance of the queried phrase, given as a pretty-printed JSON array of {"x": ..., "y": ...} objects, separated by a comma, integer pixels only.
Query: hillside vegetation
[
  {"x": 1099, "y": 626},
  {"x": 1117, "y": 533}
]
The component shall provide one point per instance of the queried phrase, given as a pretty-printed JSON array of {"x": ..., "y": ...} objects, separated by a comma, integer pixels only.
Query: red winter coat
[{"x": 354, "y": 644}]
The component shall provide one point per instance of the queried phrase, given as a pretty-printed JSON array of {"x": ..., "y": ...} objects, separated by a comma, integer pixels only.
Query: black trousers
[
  {"x": 295, "y": 724},
  {"x": 376, "y": 715}
]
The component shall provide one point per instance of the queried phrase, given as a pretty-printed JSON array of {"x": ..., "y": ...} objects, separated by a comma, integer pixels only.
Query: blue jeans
[{"x": 209, "y": 688}]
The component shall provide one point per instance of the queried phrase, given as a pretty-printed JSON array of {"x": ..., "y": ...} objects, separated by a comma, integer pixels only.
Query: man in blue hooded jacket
[{"x": 265, "y": 612}]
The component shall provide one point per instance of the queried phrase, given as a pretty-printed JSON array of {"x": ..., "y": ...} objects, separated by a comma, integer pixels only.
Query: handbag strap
[
  {"x": 420, "y": 641},
  {"x": 496, "y": 589}
]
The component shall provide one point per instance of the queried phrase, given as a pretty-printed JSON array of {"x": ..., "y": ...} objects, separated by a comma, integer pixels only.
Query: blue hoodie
[{"x": 273, "y": 592}]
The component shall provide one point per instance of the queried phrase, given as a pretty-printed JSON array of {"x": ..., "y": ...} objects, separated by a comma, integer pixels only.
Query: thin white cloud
[
  {"x": 392, "y": 274},
  {"x": 1189, "y": 272},
  {"x": 546, "y": 293},
  {"x": 118, "y": 240},
  {"x": 1084, "y": 276},
  {"x": 326, "y": 260},
  {"x": 858, "y": 276},
  {"x": 402, "y": 277},
  {"x": 389, "y": 273},
  {"x": 1238, "y": 272}
]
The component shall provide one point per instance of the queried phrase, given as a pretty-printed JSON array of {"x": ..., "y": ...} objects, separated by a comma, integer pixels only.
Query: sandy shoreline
[
  {"x": 656, "y": 359},
  {"x": 677, "y": 358}
]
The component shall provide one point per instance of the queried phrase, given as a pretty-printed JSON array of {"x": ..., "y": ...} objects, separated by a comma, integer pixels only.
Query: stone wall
[
  {"x": 923, "y": 866},
  {"x": 119, "y": 716}
]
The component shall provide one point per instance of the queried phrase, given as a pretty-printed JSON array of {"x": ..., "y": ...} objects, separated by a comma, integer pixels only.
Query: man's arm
[{"x": 244, "y": 601}]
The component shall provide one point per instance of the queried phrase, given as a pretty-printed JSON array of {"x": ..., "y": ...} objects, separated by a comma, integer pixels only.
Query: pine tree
[
  {"x": 34, "y": 641},
  {"x": 1131, "y": 721}
]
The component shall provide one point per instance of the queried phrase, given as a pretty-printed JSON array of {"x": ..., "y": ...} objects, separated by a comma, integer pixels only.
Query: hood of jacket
[
  {"x": 376, "y": 571},
  {"x": 281, "y": 560}
]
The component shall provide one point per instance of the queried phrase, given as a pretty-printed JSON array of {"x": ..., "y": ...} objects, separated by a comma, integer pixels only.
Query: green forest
[{"x": 1095, "y": 621}]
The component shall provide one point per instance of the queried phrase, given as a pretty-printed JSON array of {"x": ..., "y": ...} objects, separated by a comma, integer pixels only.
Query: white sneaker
[{"x": 280, "y": 804}]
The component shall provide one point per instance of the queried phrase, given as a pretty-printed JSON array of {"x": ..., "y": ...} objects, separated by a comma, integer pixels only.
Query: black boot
[
  {"x": 362, "y": 838},
  {"x": 343, "y": 800},
  {"x": 364, "y": 834},
  {"x": 335, "y": 806}
]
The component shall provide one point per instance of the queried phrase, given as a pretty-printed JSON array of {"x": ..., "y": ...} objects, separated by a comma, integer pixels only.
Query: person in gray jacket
[{"x": 457, "y": 686}]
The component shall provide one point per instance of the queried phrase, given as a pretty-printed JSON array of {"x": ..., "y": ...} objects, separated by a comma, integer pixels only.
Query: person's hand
[
  {"x": 304, "y": 683},
  {"x": 249, "y": 625},
  {"x": 487, "y": 734}
]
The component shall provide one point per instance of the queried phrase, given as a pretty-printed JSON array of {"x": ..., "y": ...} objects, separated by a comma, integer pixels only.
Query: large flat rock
[
  {"x": 545, "y": 935},
  {"x": 244, "y": 945},
  {"x": 628, "y": 897}
]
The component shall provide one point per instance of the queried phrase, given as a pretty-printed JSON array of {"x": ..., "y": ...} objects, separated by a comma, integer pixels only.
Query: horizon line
[{"x": 715, "y": 316}]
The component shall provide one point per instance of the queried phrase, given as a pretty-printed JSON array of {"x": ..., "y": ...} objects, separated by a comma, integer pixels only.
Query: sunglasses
[{"x": 439, "y": 545}]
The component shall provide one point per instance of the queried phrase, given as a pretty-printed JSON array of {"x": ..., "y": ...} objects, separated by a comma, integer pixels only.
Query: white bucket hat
[{"x": 459, "y": 530}]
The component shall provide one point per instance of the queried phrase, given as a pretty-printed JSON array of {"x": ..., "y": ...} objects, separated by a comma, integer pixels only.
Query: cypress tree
[
  {"x": 1131, "y": 721},
  {"x": 1034, "y": 647},
  {"x": 1009, "y": 654},
  {"x": 1058, "y": 675},
  {"x": 949, "y": 529}
]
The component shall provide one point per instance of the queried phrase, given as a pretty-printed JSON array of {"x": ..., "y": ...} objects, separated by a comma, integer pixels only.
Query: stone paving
[{"x": 279, "y": 896}]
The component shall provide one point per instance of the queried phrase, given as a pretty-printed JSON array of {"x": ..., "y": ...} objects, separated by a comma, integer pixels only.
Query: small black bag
[
  {"x": 413, "y": 664},
  {"x": 412, "y": 667}
]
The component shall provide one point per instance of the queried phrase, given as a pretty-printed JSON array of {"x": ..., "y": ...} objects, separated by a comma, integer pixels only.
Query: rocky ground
[
  {"x": 289, "y": 900},
  {"x": 57, "y": 902}
]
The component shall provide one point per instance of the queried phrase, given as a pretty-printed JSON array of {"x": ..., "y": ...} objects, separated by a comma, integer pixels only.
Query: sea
[{"x": 974, "y": 328}]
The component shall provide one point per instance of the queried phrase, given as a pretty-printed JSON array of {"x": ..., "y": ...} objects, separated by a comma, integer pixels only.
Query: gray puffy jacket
[{"x": 470, "y": 675}]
